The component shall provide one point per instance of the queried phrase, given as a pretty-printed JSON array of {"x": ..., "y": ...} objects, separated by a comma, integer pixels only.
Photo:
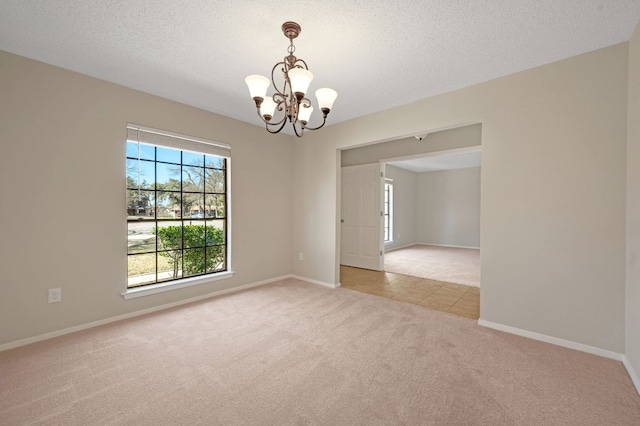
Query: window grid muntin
[{"x": 214, "y": 219}]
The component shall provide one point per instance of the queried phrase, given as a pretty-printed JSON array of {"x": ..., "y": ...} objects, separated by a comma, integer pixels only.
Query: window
[
  {"x": 388, "y": 210},
  {"x": 177, "y": 207}
]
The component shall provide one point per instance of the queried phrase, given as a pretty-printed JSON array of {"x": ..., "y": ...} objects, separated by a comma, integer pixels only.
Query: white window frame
[
  {"x": 388, "y": 210},
  {"x": 186, "y": 143}
]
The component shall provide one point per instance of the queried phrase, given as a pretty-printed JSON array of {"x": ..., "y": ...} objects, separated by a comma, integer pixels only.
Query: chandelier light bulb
[
  {"x": 258, "y": 86},
  {"x": 267, "y": 108},
  {"x": 304, "y": 113},
  {"x": 300, "y": 80},
  {"x": 326, "y": 98}
]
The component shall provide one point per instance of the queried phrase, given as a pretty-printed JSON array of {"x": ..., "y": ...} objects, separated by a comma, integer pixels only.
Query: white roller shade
[{"x": 173, "y": 140}]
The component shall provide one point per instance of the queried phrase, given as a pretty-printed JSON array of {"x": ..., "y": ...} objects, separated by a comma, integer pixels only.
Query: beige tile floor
[{"x": 446, "y": 297}]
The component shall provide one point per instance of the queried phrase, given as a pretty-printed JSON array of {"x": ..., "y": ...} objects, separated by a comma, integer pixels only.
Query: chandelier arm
[
  {"x": 295, "y": 129},
  {"x": 295, "y": 108},
  {"x": 270, "y": 123},
  {"x": 305, "y": 64},
  {"x": 324, "y": 120},
  {"x": 276, "y": 123},
  {"x": 280, "y": 107},
  {"x": 273, "y": 80},
  {"x": 299, "y": 105},
  {"x": 279, "y": 128}
]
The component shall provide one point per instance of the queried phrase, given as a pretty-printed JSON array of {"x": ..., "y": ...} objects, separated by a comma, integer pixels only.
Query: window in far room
[{"x": 388, "y": 210}]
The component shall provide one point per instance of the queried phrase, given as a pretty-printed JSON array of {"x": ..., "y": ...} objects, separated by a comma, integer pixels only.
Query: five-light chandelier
[{"x": 291, "y": 97}]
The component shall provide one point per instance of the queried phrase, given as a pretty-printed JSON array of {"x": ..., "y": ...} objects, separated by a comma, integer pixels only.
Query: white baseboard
[
  {"x": 309, "y": 280},
  {"x": 446, "y": 245},
  {"x": 92, "y": 324},
  {"x": 553, "y": 340},
  {"x": 632, "y": 373}
]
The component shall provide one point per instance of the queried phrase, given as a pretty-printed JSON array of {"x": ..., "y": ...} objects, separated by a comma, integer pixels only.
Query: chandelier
[{"x": 290, "y": 98}]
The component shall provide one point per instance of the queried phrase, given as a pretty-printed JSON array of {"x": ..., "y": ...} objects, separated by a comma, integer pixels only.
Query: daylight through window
[
  {"x": 388, "y": 210},
  {"x": 177, "y": 207}
]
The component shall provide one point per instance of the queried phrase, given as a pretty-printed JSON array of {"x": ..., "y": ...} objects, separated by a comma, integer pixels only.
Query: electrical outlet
[
  {"x": 300, "y": 256},
  {"x": 55, "y": 295}
]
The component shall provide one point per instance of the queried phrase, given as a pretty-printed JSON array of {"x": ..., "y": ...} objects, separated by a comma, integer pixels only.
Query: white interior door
[{"x": 361, "y": 216}]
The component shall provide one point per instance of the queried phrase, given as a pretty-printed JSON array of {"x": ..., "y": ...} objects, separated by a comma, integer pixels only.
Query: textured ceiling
[{"x": 376, "y": 54}]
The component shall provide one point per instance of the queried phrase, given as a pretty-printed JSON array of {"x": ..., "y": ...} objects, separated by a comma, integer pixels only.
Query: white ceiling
[
  {"x": 440, "y": 162},
  {"x": 376, "y": 54}
]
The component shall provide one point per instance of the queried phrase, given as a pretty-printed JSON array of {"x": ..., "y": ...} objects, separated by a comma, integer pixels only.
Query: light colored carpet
[
  {"x": 448, "y": 264},
  {"x": 292, "y": 353}
]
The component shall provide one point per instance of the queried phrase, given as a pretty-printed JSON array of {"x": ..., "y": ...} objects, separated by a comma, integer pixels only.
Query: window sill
[{"x": 174, "y": 285}]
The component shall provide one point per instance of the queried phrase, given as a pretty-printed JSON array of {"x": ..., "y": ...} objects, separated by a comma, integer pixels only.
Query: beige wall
[
  {"x": 553, "y": 192},
  {"x": 448, "y": 207},
  {"x": 62, "y": 177},
  {"x": 404, "y": 207},
  {"x": 462, "y": 137},
  {"x": 633, "y": 206}
]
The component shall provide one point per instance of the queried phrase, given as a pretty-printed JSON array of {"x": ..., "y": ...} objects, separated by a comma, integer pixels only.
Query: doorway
[{"x": 397, "y": 225}]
